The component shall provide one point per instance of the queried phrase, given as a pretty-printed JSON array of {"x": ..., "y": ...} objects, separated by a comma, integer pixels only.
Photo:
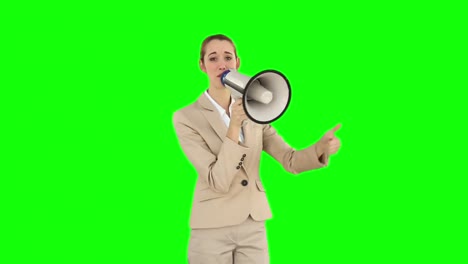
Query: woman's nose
[{"x": 222, "y": 67}]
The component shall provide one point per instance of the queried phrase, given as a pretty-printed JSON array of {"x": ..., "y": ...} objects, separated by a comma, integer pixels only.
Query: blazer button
[
  {"x": 240, "y": 163},
  {"x": 244, "y": 156},
  {"x": 238, "y": 167},
  {"x": 244, "y": 182},
  {"x": 242, "y": 159}
]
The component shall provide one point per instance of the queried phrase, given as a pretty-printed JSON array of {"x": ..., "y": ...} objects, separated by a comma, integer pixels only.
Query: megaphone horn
[{"x": 266, "y": 95}]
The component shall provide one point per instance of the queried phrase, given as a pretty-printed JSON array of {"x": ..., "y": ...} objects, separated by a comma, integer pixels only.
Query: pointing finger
[{"x": 336, "y": 128}]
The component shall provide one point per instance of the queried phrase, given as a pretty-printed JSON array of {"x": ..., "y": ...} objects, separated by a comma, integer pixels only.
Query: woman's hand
[
  {"x": 238, "y": 114},
  {"x": 329, "y": 143}
]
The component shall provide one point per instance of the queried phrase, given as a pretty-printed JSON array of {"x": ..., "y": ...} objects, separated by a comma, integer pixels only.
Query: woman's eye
[
  {"x": 228, "y": 58},
  {"x": 213, "y": 59}
]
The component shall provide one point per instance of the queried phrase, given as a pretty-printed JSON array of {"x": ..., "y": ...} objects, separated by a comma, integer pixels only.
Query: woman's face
[{"x": 219, "y": 56}]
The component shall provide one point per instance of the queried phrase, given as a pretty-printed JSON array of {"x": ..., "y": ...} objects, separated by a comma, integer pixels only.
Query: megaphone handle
[{"x": 244, "y": 122}]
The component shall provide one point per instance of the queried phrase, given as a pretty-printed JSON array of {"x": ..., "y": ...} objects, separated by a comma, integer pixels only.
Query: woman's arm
[
  {"x": 218, "y": 170},
  {"x": 293, "y": 161}
]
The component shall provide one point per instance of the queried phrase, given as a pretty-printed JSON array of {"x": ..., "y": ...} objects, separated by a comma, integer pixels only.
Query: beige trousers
[{"x": 240, "y": 244}]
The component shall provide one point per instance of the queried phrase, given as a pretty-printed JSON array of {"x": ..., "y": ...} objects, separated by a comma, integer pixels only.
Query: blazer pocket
[
  {"x": 208, "y": 194},
  {"x": 259, "y": 185}
]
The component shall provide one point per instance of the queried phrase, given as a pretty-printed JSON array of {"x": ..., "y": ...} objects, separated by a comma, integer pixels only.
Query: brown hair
[{"x": 213, "y": 37}]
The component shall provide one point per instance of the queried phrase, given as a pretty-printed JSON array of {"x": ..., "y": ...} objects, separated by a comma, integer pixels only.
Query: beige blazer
[{"x": 229, "y": 188}]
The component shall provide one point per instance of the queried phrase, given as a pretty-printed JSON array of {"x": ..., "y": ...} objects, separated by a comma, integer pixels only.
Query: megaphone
[{"x": 265, "y": 96}]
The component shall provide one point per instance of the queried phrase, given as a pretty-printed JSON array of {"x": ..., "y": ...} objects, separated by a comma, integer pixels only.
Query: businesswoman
[{"x": 229, "y": 205}]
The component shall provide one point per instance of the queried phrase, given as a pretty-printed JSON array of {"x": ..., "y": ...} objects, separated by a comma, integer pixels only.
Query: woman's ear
[
  {"x": 202, "y": 66},
  {"x": 237, "y": 63}
]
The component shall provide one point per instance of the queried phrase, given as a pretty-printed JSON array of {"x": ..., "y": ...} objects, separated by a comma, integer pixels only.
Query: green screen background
[{"x": 93, "y": 172}]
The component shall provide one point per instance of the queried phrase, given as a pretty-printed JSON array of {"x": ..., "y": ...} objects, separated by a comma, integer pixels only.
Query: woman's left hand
[{"x": 329, "y": 143}]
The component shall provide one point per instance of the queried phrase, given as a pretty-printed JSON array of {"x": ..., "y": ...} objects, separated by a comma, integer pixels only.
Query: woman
[{"x": 229, "y": 206}]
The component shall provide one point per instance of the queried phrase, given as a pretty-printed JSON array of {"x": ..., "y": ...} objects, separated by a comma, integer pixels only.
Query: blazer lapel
[{"x": 212, "y": 115}]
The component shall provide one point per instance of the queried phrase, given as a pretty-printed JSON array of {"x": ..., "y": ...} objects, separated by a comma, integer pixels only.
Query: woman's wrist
[{"x": 233, "y": 132}]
